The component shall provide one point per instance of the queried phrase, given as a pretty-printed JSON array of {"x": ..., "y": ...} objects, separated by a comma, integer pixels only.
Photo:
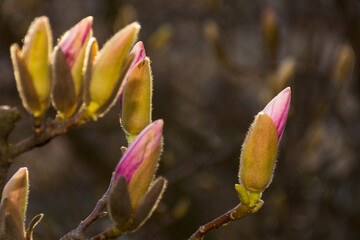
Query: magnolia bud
[
  {"x": 68, "y": 62},
  {"x": 108, "y": 70},
  {"x": 139, "y": 162},
  {"x": 136, "y": 101},
  {"x": 259, "y": 150},
  {"x": 258, "y": 154},
  {"x": 31, "y": 67},
  {"x": 16, "y": 190}
]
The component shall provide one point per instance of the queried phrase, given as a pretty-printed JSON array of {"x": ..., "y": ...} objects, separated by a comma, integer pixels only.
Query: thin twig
[{"x": 236, "y": 213}]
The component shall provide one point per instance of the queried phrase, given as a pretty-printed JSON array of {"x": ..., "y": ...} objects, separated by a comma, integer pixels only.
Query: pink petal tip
[{"x": 278, "y": 108}]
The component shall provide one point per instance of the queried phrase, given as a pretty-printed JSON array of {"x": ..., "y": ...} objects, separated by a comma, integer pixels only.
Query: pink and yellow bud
[
  {"x": 259, "y": 150},
  {"x": 16, "y": 190},
  {"x": 139, "y": 55},
  {"x": 32, "y": 67},
  {"x": 68, "y": 63},
  {"x": 108, "y": 70},
  {"x": 136, "y": 99},
  {"x": 139, "y": 162},
  {"x": 74, "y": 41}
]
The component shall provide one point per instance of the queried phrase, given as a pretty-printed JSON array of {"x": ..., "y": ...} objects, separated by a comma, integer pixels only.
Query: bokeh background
[{"x": 215, "y": 63}]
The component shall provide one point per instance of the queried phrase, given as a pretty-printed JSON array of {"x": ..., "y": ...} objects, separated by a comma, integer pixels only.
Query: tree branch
[
  {"x": 236, "y": 213},
  {"x": 52, "y": 129}
]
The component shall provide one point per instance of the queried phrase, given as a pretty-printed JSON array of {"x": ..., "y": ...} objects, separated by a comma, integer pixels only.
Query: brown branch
[
  {"x": 236, "y": 213},
  {"x": 8, "y": 117},
  {"x": 51, "y": 130}
]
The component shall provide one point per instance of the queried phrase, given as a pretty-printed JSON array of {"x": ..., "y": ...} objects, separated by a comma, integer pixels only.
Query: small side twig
[{"x": 236, "y": 213}]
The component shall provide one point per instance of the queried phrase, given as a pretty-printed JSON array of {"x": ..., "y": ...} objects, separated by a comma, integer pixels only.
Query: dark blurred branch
[{"x": 236, "y": 213}]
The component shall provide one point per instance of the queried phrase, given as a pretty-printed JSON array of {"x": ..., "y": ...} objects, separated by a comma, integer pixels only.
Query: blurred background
[{"x": 215, "y": 63}]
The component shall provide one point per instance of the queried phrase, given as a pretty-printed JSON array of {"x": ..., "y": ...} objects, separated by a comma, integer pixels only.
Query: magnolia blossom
[{"x": 278, "y": 108}]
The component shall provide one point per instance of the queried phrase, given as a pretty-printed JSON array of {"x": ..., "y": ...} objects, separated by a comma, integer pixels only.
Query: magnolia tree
[{"x": 82, "y": 83}]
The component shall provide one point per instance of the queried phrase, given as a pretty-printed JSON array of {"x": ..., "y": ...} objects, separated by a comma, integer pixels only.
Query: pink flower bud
[
  {"x": 74, "y": 39},
  {"x": 278, "y": 108},
  {"x": 139, "y": 150},
  {"x": 259, "y": 150},
  {"x": 140, "y": 161}
]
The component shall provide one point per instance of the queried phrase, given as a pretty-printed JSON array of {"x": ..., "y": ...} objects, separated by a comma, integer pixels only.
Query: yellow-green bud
[
  {"x": 108, "y": 69},
  {"x": 136, "y": 101},
  {"x": 259, "y": 150},
  {"x": 31, "y": 67}
]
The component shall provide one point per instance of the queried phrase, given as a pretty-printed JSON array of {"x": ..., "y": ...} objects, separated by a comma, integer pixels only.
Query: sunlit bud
[
  {"x": 108, "y": 70},
  {"x": 344, "y": 64},
  {"x": 90, "y": 55},
  {"x": 140, "y": 160},
  {"x": 139, "y": 56},
  {"x": 136, "y": 101},
  {"x": 67, "y": 70},
  {"x": 259, "y": 150},
  {"x": 278, "y": 108},
  {"x": 257, "y": 160},
  {"x": 31, "y": 67},
  {"x": 16, "y": 190},
  {"x": 74, "y": 41}
]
